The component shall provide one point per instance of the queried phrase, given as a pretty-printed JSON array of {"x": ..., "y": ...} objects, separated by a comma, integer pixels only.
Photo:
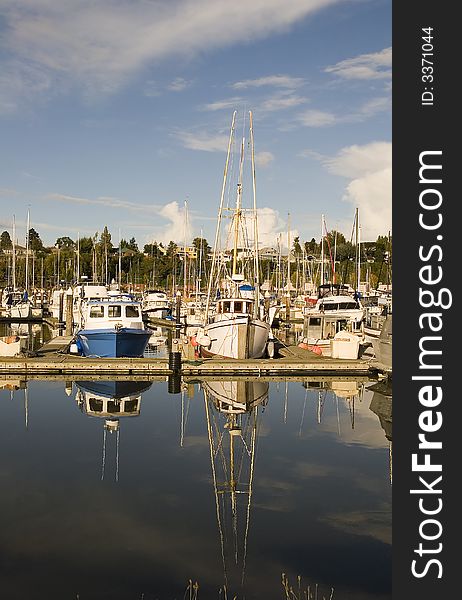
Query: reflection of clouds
[
  {"x": 275, "y": 494},
  {"x": 370, "y": 523}
]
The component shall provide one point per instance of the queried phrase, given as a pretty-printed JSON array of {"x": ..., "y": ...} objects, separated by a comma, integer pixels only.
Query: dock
[{"x": 54, "y": 362}]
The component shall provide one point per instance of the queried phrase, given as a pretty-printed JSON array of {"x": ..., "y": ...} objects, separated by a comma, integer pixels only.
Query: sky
[{"x": 117, "y": 113}]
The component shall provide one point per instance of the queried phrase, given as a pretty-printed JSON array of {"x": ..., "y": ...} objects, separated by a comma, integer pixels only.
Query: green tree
[
  {"x": 5, "y": 241},
  {"x": 35, "y": 243},
  {"x": 65, "y": 242}
]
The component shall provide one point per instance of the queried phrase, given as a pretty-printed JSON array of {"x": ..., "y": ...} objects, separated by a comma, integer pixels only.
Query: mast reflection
[{"x": 232, "y": 410}]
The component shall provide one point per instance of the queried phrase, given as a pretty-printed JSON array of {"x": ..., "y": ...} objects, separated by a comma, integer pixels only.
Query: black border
[{"x": 418, "y": 128}]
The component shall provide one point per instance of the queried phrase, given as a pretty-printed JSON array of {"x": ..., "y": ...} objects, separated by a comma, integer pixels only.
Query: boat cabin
[
  {"x": 234, "y": 305},
  {"x": 107, "y": 313}
]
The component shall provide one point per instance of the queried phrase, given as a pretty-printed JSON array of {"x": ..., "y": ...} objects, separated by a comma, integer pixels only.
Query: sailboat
[
  {"x": 233, "y": 407},
  {"x": 237, "y": 329}
]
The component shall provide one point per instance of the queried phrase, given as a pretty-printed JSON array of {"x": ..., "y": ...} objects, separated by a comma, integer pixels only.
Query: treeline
[{"x": 169, "y": 266}]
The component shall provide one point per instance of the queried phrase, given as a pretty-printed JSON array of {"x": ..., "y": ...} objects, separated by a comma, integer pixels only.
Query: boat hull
[
  {"x": 236, "y": 337},
  {"x": 113, "y": 343}
]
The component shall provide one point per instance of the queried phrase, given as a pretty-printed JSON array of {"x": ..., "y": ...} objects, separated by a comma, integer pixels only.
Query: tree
[
  {"x": 35, "y": 243},
  {"x": 65, "y": 242},
  {"x": 296, "y": 248},
  {"x": 5, "y": 241}
]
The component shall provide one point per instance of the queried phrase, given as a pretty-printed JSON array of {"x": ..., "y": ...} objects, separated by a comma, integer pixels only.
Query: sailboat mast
[
  {"x": 322, "y": 249},
  {"x": 237, "y": 215},
  {"x": 26, "y": 285},
  {"x": 357, "y": 251},
  {"x": 14, "y": 253},
  {"x": 220, "y": 215},
  {"x": 255, "y": 215}
]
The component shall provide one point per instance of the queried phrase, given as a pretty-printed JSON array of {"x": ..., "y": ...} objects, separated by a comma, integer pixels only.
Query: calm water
[{"x": 165, "y": 488}]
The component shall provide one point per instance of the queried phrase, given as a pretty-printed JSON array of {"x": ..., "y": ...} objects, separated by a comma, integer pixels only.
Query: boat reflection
[
  {"x": 382, "y": 405},
  {"x": 348, "y": 390},
  {"x": 111, "y": 401},
  {"x": 233, "y": 407}
]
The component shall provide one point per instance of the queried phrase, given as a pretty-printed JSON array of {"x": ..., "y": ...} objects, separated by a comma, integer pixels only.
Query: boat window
[
  {"x": 114, "y": 310},
  {"x": 315, "y": 321},
  {"x": 132, "y": 311},
  {"x": 96, "y": 405},
  {"x": 226, "y": 307},
  {"x": 348, "y": 305},
  {"x": 238, "y": 307},
  {"x": 113, "y": 407},
  {"x": 96, "y": 312},
  {"x": 130, "y": 406}
]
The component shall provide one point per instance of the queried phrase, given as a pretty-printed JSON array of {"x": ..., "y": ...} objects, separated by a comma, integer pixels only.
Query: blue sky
[{"x": 117, "y": 113}]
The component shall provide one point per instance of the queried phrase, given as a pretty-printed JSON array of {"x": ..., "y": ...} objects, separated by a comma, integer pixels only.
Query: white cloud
[
  {"x": 263, "y": 159},
  {"x": 282, "y": 81},
  {"x": 271, "y": 227},
  {"x": 105, "y": 201},
  {"x": 97, "y": 47},
  {"x": 203, "y": 141},
  {"x": 369, "y": 169},
  {"x": 366, "y": 66},
  {"x": 281, "y": 102},
  {"x": 223, "y": 104},
  {"x": 179, "y": 84},
  {"x": 178, "y": 228},
  {"x": 317, "y": 118}
]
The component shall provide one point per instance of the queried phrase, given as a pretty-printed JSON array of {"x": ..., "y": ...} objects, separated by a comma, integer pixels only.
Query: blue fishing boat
[{"x": 112, "y": 328}]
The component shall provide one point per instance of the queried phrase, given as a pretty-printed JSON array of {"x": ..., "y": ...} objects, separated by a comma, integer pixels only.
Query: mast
[
  {"x": 288, "y": 254},
  {"x": 237, "y": 214},
  {"x": 78, "y": 257},
  {"x": 14, "y": 253},
  {"x": 358, "y": 258},
  {"x": 220, "y": 215},
  {"x": 26, "y": 285},
  {"x": 254, "y": 189},
  {"x": 322, "y": 249}
]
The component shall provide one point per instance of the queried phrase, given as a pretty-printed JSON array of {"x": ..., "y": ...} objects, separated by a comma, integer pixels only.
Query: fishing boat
[
  {"x": 238, "y": 328},
  {"x": 112, "y": 328}
]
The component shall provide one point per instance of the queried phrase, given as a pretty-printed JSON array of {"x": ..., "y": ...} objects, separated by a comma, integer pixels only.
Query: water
[{"x": 135, "y": 504}]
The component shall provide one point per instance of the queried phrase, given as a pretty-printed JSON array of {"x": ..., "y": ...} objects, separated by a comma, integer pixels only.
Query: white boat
[
  {"x": 155, "y": 304},
  {"x": 12, "y": 345},
  {"x": 383, "y": 345},
  {"x": 238, "y": 329}
]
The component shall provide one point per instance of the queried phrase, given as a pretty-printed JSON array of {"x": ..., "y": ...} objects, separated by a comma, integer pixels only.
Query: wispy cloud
[
  {"x": 281, "y": 102},
  {"x": 97, "y": 47},
  {"x": 203, "y": 141},
  {"x": 317, "y": 118},
  {"x": 376, "y": 65},
  {"x": 230, "y": 103},
  {"x": 105, "y": 201},
  {"x": 281, "y": 81},
  {"x": 179, "y": 84},
  {"x": 264, "y": 159}
]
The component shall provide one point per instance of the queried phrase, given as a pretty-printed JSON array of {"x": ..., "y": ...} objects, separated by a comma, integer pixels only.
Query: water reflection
[
  {"x": 111, "y": 401},
  {"x": 265, "y": 477},
  {"x": 232, "y": 410}
]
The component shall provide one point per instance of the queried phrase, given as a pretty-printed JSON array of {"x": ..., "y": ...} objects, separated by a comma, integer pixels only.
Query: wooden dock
[{"x": 53, "y": 362}]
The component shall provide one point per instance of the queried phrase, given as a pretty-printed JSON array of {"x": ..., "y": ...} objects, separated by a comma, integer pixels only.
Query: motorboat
[{"x": 112, "y": 328}]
